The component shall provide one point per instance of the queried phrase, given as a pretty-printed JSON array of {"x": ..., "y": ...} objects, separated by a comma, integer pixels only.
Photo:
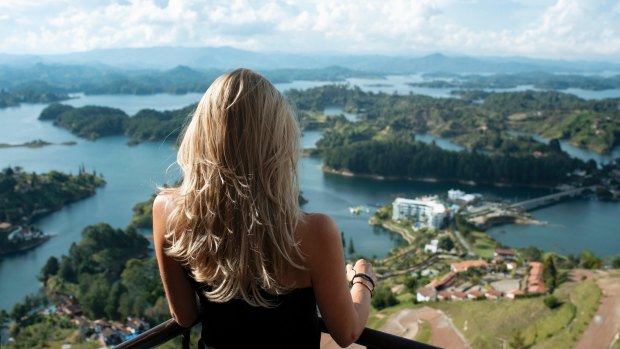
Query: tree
[
  {"x": 410, "y": 283},
  {"x": 532, "y": 253},
  {"x": 66, "y": 270},
  {"x": 550, "y": 273},
  {"x": 589, "y": 260},
  {"x": 445, "y": 243},
  {"x": 615, "y": 262},
  {"x": 50, "y": 268},
  {"x": 342, "y": 237},
  {"x": 4, "y": 319},
  {"x": 383, "y": 297},
  {"x": 552, "y": 302},
  {"x": 351, "y": 249},
  {"x": 554, "y": 145}
]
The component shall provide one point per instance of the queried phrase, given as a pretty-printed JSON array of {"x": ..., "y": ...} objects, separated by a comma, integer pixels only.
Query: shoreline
[
  {"x": 28, "y": 246},
  {"x": 345, "y": 173},
  {"x": 393, "y": 229}
]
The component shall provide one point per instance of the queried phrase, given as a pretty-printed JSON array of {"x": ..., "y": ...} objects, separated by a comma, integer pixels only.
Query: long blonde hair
[{"x": 236, "y": 209}]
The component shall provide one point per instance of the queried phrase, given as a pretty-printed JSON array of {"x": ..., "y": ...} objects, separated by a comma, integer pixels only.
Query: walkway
[
  {"x": 605, "y": 326},
  {"x": 443, "y": 333}
]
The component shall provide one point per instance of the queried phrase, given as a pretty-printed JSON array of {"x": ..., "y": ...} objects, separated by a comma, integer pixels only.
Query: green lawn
[
  {"x": 586, "y": 299},
  {"x": 483, "y": 245},
  {"x": 424, "y": 334}
]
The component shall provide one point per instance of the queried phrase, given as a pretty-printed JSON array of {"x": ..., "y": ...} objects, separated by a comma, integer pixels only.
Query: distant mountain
[{"x": 227, "y": 58}]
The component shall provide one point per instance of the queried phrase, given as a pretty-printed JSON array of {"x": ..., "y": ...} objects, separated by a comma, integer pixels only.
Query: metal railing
[{"x": 168, "y": 330}]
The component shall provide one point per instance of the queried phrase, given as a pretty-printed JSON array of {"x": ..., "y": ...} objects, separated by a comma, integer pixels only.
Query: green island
[
  {"x": 477, "y": 120},
  {"x": 27, "y": 196},
  {"x": 539, "y": 80},
  {"x": 12, "y": 98},
  {"x": 37, "y": 143},
  {"x": 31, "y": 84}
]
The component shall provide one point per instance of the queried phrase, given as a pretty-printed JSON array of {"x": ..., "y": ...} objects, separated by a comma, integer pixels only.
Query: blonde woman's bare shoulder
[
  {"x": 162, "y": 207},
  {"x": 164, "y": 201},
  {"x": 318, "y": 227}
]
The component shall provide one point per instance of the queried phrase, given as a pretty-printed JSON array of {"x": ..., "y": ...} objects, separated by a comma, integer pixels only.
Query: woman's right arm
[{"x": 344, "y": 310}]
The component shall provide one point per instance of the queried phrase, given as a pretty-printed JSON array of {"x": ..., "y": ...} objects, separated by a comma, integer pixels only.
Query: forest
[
  {"x": 96, "y": 80},
  {"x": 109, "y": 271},
  {"x": 16, "y": 97},
  {"x": 477, "y": 119},
  {"x": 539, "y": 80},
  {"x": 28, "y": 194}
]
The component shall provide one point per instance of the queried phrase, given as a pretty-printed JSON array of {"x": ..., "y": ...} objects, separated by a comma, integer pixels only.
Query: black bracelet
[
  {"x": 368, "y": 288},
  {"x": 365, "y": 276}
]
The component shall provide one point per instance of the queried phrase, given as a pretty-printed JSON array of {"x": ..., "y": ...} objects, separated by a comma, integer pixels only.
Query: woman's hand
[{"x": 362, "y": 267}]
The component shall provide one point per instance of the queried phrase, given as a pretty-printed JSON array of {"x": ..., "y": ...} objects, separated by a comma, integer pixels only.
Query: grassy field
[
  {"x": 483, "y": 245},
  {"x": 586, "y": 297},
  {"x": 487, "y": 323},
  {"x": 424, "y": 334}
]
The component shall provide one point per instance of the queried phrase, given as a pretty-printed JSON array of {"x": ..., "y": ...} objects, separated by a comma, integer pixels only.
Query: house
[
  {"x": 432, "y": 247},
  {"x": 424, "y": 294},
  {"x": 540, "y": 289},
  {"x": 463, "y": 199},
  {"x": 458, "y": 296},
  {"x": 100, "y": 325},
  {"x": 511, "y": 265},
  {"x": 444, "y": 295},
  {"x": 504, "y": 254},
  {"x": 473, "y": 294},
  {"x": 109, "y": 337},
  {"x": 536, "y": 269},
  {"x": 465, "y": 265},
  {"x": 444, "y": 282},
  {"x": 492, "y": 294},
  {"x": 513, "y": 294},
  {"x": 535, "y": 282}
]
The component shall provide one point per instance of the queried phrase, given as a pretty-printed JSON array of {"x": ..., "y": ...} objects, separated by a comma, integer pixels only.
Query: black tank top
[{"x": 293, "y": 323}]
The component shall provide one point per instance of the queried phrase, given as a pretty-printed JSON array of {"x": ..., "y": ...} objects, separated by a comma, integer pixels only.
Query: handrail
[{"x": 170, "y": 329}]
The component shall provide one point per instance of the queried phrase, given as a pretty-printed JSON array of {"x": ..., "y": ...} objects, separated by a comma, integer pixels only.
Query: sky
[{"x": 556, "y": 29}]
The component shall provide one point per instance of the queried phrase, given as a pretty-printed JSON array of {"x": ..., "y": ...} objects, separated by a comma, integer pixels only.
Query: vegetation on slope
[{"x": 26, "y": 195}]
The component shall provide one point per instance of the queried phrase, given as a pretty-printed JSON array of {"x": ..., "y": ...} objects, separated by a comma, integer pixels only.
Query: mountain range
[{"x": 161, "y": 58}]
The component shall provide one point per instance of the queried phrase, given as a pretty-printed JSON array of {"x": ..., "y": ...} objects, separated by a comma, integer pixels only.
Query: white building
[
  {"x": 422, "y": 212},
  {"x": 425, "y": 294},
  {"x": 432, "y": 247},
  {"x": 462, "y": 198}
]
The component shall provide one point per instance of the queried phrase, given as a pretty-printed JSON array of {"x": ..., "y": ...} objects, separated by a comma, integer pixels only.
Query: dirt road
[
  {"x": 405, "y": 324},
  {"x": 443, "y": 332},
  {"x": 605, "y": 326}
]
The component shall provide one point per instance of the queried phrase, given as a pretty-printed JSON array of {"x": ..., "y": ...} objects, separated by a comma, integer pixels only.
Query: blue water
[
  {"x": 133, "y": 173},
  {"x": 576, "y": 152}
]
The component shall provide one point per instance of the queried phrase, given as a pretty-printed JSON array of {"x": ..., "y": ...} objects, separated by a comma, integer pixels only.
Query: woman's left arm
[{"x": 179, "y": 289}]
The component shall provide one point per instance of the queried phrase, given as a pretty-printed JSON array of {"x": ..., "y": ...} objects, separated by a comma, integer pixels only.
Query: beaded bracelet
[
  {"x": 365, "y": 276},
  {"x": 368, "y": 288}
]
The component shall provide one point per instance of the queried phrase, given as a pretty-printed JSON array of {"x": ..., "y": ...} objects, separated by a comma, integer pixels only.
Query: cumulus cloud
[{"x": 543, "y": 28}]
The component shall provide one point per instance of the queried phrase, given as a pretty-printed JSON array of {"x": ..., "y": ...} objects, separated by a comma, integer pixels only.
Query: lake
[{"x": 133, "y": 174}]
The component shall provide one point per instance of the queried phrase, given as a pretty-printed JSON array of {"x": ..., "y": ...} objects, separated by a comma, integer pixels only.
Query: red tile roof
[{"x": 465, "y": 265}]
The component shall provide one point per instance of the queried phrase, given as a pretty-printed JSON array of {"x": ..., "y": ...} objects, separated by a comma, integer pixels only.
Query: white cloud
[{"x": 544, "y": 28}]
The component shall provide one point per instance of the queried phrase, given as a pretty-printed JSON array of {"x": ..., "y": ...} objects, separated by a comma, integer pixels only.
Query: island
[
  {"x": 37, "y": 143},
  {"x": 27, "y": 196},
  {"x": 12, "y": 98}
]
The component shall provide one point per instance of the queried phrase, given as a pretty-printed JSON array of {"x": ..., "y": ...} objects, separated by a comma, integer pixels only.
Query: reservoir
[{"x": 132, "y": 174}]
